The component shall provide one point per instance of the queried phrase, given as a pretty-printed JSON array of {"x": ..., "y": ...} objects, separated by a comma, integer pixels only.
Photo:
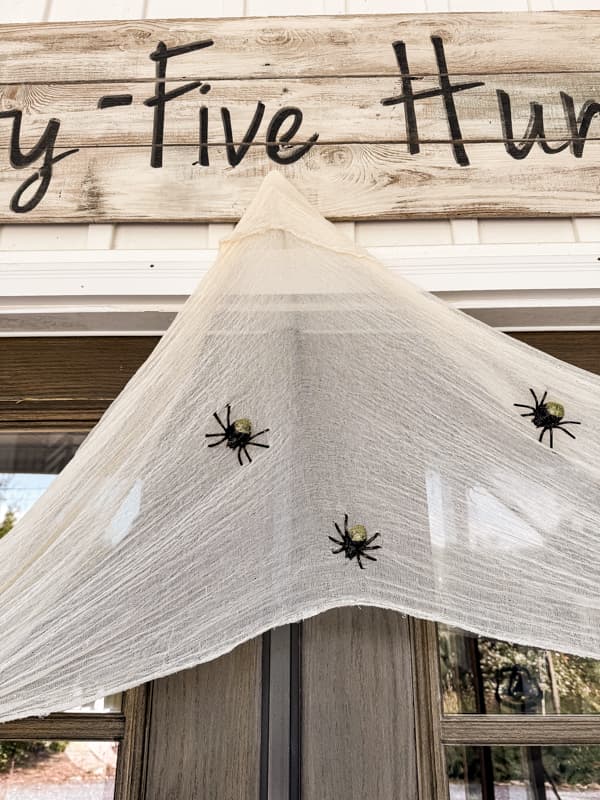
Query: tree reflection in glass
[{"x": 488, "y": 676}]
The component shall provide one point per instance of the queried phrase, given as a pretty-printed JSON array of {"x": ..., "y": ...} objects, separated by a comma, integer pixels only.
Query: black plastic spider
[
  {"x": 354, "y": 542},
  {"x": 238, "y": 435},
  {"x": 548, "y": 416}
]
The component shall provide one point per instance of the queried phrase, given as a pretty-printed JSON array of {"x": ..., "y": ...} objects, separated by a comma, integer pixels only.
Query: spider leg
[
  {"x": 258, "y": 444},
  {"x": 337, "y": 527},
  {"x": 372, "y": 539},
  {"x": 266, "y": 430},
  {"x": 551, "y": 439},
  {"x": 371, "y": 558},
  {"x": 228, "y": 415},
  {"x": 531, "y": 414},
  {"x": 541, "y": 436},
  {"x": 359, "y": 561},
  {"x": 568, "y": 422},
  {"x": 218, "y": 418},
  {"x": 564, "y": 430},
  {"x": 543, "y": 398},
  {"x": 240, "y": 456},
  {"x": 337, "y": 541},
  {"x": 214, "y": 444},
  {"x": 374, "y": 547},
  {"x": 522, "y": 405},
  {"x": 346, "y": 524},
  {"x": 537, "y": 404},
  {"x": 215, "y": 434},
  {"x": 247, "y": 454}
]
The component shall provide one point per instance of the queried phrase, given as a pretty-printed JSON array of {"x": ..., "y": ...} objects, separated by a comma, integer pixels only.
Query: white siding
[
  {"x": 587, "y": 229},
  {"x": 174, "y": 9},
  {"x": 576, "y": 5},
  {"x": 43, "y": 237},
  {"x": 496, "y": 231},
  {"x": 24, "y": 10},
  {"x": 160, "y": 237},
  {"x": 62, "y": 10},
  {"x": 385, "y": 6},
  {"x": 500, "y": 5},
  {"x": 372, "y": 234}
]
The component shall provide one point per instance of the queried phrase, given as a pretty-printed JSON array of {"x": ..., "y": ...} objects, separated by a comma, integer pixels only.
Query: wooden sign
[{"x": 372, "y": 117}]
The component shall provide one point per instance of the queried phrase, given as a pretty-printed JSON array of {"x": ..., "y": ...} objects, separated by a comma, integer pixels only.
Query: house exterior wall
[{"x": 477, "y": 240}]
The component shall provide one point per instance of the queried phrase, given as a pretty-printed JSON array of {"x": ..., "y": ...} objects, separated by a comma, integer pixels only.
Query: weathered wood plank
[
  {"x": 335, "y": 79},
  {"x": 339, "y": 110},
  {"x": 358, "y": 720},
  {"x": 375, "y": 181},
  {"x": 302, "y": 46}
]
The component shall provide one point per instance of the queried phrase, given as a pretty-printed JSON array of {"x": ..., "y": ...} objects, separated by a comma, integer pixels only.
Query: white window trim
[{"x": 136, "y": 292}]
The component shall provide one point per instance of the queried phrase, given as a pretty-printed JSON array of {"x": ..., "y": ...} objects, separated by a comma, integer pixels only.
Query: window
[
  {"x": 486, "y": 676},
  {"x": 542, "y": 697},
  {"x": 512, "y": 722},
  {"x": 54, "y": 390},
  {"x": 46, "y": 770}
]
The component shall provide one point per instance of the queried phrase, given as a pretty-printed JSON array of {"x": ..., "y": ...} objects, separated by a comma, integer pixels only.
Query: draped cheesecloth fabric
[{"x": 152, "y": 551}]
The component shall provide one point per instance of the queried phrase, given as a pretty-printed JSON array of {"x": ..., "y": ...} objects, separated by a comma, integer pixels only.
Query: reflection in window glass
[
  {"x": 38, "y": 770},
  {"x": 29, "y": 462},
  {"x": 482, "y": 675},
  {"x": 524, "y": 773}
]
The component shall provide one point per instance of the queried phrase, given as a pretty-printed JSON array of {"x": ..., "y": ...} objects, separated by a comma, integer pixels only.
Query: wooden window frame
[
  {"x": 128, "y": 728},
  {"x": 436, "y": 730},
  {"x": 47, "y": 384}
]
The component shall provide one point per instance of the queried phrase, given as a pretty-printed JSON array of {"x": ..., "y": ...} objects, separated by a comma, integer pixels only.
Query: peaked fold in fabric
[{"x": 153, "y": 551}]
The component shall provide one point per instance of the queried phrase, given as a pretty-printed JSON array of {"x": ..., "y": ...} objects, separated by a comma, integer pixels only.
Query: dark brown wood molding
[
  {"x": 431, "y": 768},
  {"x": 131, "y": 764},
  {"x": 94, "y": 727},
  {"x": 493, "y": 729}
]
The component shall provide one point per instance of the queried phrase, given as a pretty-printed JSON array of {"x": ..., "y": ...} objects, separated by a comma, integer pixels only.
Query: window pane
[
  {"x": 524, "y": 773},
  {"x": 482, "y": 675},
  {"x": 37, "y": 770},
  {"x": 29, "y": 462},
  {"x": 104, "y": 705}
]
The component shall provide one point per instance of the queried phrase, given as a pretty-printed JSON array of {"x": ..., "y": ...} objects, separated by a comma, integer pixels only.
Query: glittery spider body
[
  {"x": 236, "y": 435},
  {"x": 547, "y": 415},
  {"x": 354, "y": 542}
]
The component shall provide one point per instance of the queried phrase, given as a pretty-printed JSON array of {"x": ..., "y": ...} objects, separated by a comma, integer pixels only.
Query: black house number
[{"x": 285, "y": 124}]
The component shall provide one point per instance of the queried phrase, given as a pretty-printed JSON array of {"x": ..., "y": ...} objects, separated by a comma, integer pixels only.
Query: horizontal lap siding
[{"x": 39, "y": 10}]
